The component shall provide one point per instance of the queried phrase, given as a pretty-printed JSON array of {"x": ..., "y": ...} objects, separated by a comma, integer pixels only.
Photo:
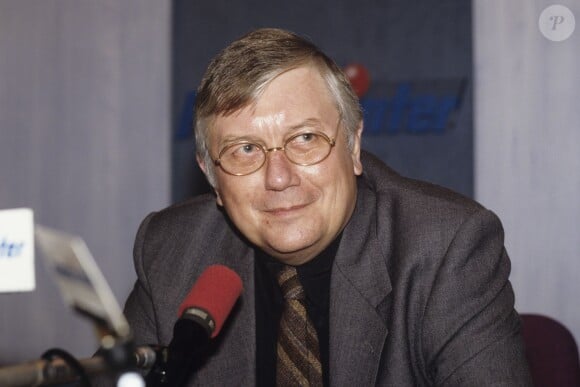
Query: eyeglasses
[{"x": 245, "y": 157}]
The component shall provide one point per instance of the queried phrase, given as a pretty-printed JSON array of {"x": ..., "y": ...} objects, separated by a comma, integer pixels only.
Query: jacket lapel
[{"x": 359, "y": 285}]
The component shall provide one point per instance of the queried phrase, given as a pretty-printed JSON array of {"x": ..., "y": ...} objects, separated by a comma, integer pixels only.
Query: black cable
[{"x": 71, "y": 361}]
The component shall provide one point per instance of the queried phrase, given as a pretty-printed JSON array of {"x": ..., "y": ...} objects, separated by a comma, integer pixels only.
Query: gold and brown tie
[{"x": 298, "y": 351}]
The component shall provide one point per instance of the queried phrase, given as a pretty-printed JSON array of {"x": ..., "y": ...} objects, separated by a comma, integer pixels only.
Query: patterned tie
[{"x": 298, "y": 351}]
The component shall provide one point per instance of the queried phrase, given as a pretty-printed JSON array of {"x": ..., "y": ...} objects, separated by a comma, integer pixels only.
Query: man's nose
[{"x": 280, "y": 172}]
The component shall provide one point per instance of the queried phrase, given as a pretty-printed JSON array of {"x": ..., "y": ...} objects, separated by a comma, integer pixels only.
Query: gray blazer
[{"x": 419, "y": 289}]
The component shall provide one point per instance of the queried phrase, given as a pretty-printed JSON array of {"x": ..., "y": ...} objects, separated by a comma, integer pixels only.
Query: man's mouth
[{"x": 285, "y": 210}]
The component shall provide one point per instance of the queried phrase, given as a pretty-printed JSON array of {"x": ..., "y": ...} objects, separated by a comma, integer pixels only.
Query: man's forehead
[
  {"x": 292, "y": 100},
  {"x": 270, "y": 120},
  {"x": 264, "y": 126}
]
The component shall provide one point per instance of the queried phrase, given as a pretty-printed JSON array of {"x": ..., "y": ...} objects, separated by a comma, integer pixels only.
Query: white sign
[{"x": 17, "y": 250}]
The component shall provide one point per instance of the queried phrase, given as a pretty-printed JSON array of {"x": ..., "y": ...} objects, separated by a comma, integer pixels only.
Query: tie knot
[{"x": 290, "y": 284}]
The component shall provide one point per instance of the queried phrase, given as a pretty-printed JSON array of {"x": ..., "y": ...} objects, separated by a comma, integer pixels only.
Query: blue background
[{"x": 418, "y": 54}]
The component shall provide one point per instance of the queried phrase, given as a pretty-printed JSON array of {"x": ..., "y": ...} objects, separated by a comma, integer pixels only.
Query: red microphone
[
  {"x": 201, "y": 317},
  {"x": 212, "y": 297}
]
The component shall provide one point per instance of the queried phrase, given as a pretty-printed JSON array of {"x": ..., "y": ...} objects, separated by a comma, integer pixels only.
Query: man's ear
[
  {"x": 201, "y": 163},
  {"x": 210, "y": 178},
  {"x": 357, "y": 165}
]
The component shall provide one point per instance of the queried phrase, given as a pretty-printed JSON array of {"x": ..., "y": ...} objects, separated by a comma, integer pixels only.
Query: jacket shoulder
[
  {"x": 413, "y": 197},
  {"x": 184, "y": 237}
]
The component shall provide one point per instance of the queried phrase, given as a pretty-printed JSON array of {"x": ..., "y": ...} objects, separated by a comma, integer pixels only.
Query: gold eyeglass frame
[{"x": 265, "y": 151}]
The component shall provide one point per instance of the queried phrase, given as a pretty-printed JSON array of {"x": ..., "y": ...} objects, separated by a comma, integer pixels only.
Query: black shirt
[{"x": 315, "y": 278}]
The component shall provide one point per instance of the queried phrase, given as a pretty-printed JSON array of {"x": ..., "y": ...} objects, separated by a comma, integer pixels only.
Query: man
[{"x": 406, "y": 283}]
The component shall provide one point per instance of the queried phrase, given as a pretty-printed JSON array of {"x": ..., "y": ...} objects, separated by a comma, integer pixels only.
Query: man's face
[{"x": 291, "y": 212}]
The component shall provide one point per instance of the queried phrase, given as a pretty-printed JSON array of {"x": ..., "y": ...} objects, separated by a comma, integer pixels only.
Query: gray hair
[{"x": 237, "y": 76}]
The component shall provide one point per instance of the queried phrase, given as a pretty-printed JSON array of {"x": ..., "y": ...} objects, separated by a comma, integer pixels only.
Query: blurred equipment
[{"x": 85, "y": 289}]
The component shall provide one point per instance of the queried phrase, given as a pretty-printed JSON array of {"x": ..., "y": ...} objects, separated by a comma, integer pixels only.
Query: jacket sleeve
[
  {"x": 470, "y": 331},
  {"x": 139, "y": 307}
]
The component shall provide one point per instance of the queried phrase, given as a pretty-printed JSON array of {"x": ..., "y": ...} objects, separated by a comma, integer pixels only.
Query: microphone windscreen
[{"x": 215, "y": 292}]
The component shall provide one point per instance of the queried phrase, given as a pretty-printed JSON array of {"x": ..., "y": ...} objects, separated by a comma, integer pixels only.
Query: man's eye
[
  {"x": 306, "y": 137},
  {"x": 244, "y": 150},
  {"x": 304, "y": 140},
  {"x": 248, "y": 148}
]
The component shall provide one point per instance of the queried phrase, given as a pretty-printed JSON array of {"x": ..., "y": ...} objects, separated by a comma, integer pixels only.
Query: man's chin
[{"x": 292, "y": 252}]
